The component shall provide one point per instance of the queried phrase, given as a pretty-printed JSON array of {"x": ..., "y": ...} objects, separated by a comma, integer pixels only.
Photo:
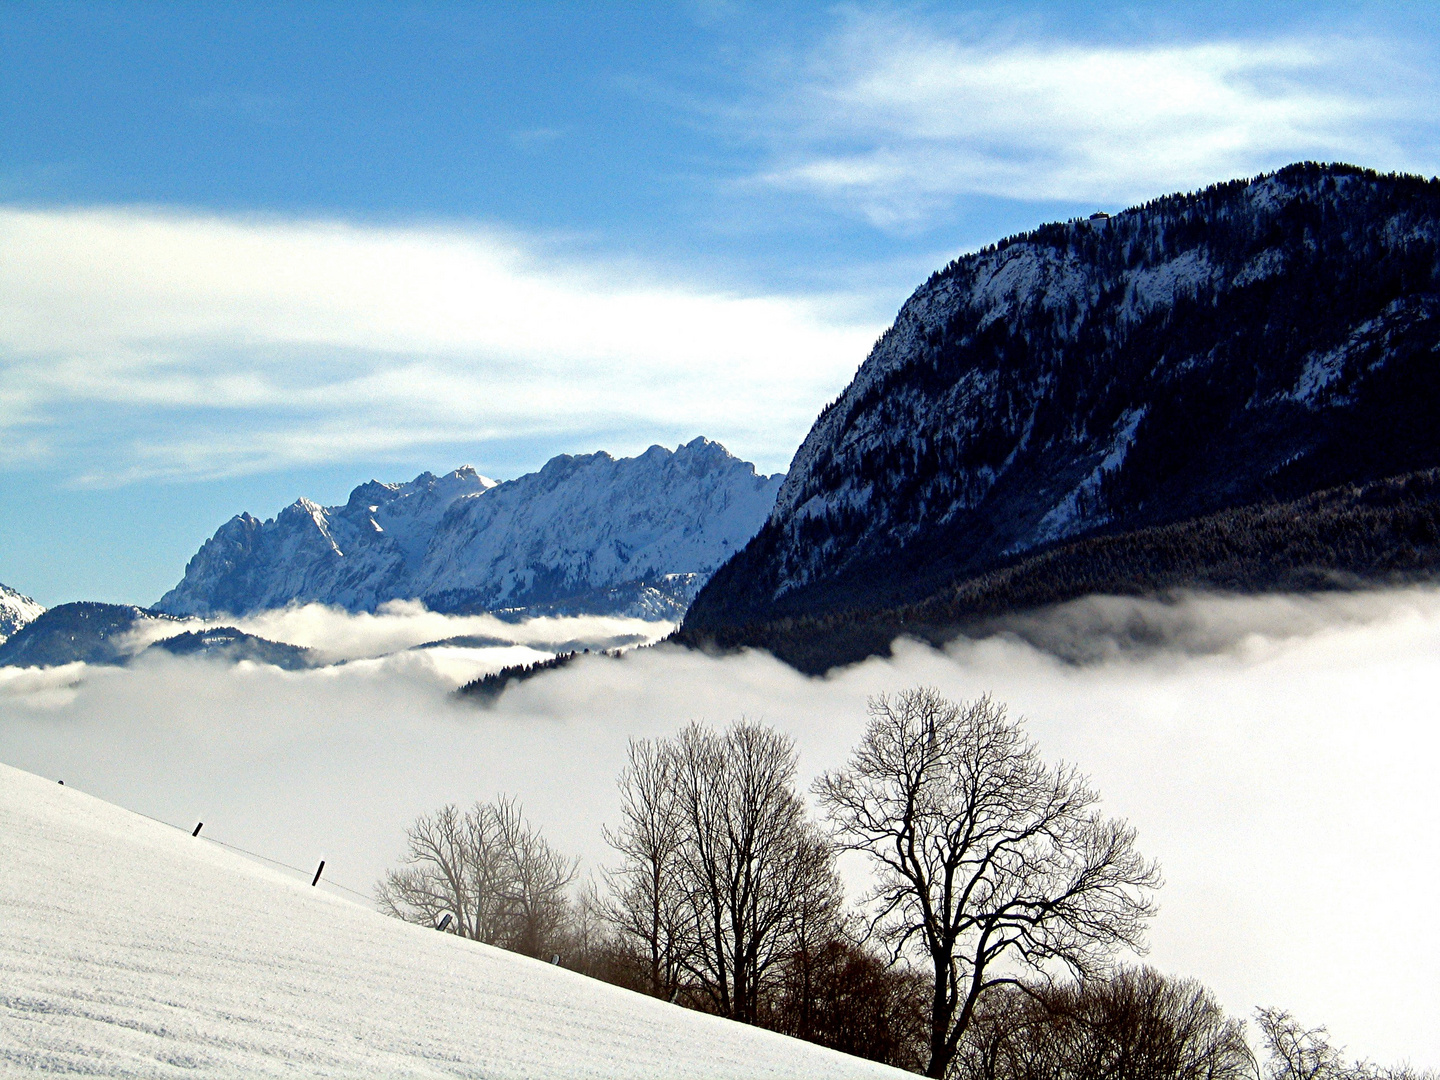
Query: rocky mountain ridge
[
  {"x": 16, "y": 610},
  {"x": 1256, "y": 341},
  {"x": 585, "y": 534}
]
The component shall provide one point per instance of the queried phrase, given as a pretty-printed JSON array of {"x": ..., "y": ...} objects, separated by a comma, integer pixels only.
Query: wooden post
[
  {"x": 318, "y": 871},
  {"x": 444, "y": 921},
  {"x": 198, "y": 828}
]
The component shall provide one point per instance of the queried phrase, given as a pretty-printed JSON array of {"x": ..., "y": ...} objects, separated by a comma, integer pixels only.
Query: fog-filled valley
[{"x": 1275, "y": 754}]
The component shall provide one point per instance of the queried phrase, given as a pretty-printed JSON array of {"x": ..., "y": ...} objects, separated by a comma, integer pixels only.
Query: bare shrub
[
  {"x": 498, "y": 878},
  {"x": 1134, "y": 1025},
  {"x": 841, "y": 994}
]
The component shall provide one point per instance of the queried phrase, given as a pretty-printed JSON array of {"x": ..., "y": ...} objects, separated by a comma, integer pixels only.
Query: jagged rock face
[
  {"x": 357, "y": 556},
  {"x": 600, "y": 534},
  {"x": 1256, "y": 340},
  {"x": 16, "y": 610},
  {"x": 594, "y": 522}
]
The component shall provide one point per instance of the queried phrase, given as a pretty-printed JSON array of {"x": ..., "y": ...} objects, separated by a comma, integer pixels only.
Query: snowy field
[
  {"x": 128, "y": 948},
  {"x": 1278, "y": 757}
]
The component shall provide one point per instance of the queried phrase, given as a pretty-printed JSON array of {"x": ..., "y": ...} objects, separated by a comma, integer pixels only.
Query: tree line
[
  {"x": 1381, "y": 533},
  {"x": 984, "y": 950}
]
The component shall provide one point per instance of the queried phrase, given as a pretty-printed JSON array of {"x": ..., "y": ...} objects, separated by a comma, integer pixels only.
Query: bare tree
[
  {"x": 1297, "y": 1052},
  {"x": 722, "y": 875},
  {"x": 539, "y": 878},
  {"x": 648, "y": 899},
  {"x": 756, "y": 871},
  {"x": 498, "y": 878},
  {"x": 988, "y": 860}
]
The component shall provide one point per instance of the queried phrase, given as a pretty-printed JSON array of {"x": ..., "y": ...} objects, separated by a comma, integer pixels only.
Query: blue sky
[{"x": 254, "y": 251}]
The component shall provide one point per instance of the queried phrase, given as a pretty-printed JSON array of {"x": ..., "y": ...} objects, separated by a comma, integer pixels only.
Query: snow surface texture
[
  {"x": 129, "y": 948},
  {"x": 16, "y": 610},
  {"x": 629, "y": 536}
]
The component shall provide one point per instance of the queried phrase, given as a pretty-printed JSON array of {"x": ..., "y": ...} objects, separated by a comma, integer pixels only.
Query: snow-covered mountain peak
[
  {"x": 16, "y": 610},
  {"x": 609, "y": 534}
]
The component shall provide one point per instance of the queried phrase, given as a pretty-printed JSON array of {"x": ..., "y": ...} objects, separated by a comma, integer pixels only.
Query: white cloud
[
  {"x": 898, "y": 119},
  {"x": 339, "y": 635},
  {"x": 1278, "y": 760},
  {"x": 256, "y": 344}
]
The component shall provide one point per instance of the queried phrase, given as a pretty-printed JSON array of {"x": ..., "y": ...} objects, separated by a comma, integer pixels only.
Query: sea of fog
[{"x": 1278, "y": 756}]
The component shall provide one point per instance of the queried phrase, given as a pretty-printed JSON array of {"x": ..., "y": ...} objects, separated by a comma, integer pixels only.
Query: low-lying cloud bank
[
  {"x": 338, "y": 636},
  {"x": 1276, "y": 753}
]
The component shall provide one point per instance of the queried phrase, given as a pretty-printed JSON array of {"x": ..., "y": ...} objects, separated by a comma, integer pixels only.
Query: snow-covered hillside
[
  {"x": 16, "y": 610},
  {"x": 128, "y": 948},
  {"x": 634, "y": 536}
]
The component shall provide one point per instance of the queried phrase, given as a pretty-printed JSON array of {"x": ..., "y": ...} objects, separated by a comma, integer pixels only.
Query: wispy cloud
[
  {"x": 896, "y": 119},
  {"x": 257, "y": 344},
  {"x": 536, "y": 138}
]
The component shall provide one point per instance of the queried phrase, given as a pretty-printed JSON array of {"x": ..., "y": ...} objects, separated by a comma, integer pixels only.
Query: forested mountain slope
[{"x": 1255, "y": 342}]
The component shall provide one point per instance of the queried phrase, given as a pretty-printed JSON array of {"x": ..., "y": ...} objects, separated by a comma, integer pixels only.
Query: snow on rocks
[
  {"x": 988, "y": 411},
  {"x": 128, "y": 948},
  {"x": 16, "y": 611},
  {"x": 650, "y": 529},
  {"x": 594, "y": 522}
]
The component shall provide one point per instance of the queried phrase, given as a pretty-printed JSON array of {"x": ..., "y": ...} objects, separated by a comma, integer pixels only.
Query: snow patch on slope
[
  {"x": 1154, "y": 287},
  {"x": 1076, "y": 511}
]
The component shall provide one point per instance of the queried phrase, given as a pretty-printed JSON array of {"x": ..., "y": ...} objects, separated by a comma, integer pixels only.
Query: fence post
[
  {"x": 318, "y": 871},
  {"x": 198, "y": 828}
]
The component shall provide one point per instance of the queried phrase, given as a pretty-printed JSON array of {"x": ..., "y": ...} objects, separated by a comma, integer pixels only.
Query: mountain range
[
  {"x": 588, "y": 534},
  {"x": 1235, "y": 388}
]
